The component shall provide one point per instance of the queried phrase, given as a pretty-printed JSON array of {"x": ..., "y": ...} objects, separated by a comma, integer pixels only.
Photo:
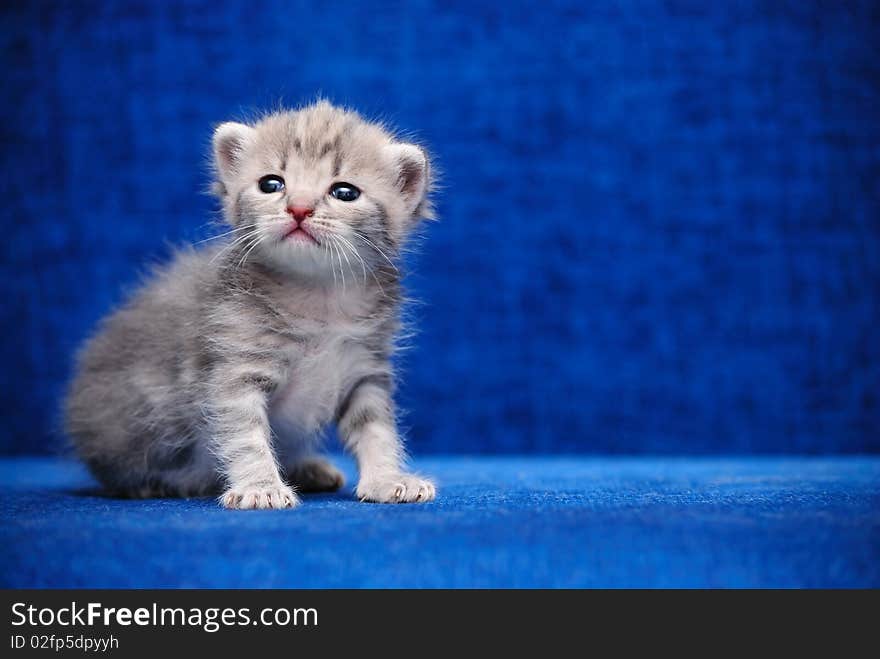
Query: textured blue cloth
[
  {"x": 659, "y": 219},
  {"x": 499, "y": 522}
]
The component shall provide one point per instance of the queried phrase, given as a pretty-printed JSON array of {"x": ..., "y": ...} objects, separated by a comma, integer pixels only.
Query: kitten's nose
[{"x": 300, "y": 213}]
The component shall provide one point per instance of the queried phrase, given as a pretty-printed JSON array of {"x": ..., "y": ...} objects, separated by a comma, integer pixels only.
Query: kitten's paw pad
[
  {"x": 259, "y": 497},
  {"x": 396, "y": 488},
  {"x": 315, "y": 475}
]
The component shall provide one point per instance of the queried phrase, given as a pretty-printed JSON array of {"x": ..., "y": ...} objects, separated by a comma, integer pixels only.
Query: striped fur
[{"x": 222, "y": 371}]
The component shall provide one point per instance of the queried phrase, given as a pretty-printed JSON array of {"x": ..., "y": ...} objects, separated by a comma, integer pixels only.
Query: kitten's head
[{"x": 313, "y": 189}]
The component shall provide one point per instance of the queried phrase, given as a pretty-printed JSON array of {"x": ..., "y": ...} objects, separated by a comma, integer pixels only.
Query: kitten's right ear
[{"x": 230, "y": 140}]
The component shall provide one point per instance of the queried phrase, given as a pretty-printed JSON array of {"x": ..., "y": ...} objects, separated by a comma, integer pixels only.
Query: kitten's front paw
[
  {"x": 259, "y": 497},
  {"x": 396, "y": 488}
]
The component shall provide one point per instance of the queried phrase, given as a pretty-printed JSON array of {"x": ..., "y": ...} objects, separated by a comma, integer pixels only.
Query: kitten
[{"x": 222, "y": 371}]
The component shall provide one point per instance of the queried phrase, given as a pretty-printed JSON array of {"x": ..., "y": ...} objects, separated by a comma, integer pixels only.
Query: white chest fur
[
  {"x": 322, "y": 370},
  {"x": 316, "y": 382}
]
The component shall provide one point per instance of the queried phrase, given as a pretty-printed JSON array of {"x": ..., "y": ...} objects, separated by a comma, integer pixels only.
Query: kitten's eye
[
  {"x": 344, "y": 191},
  {"x": 271, "y": 183}
]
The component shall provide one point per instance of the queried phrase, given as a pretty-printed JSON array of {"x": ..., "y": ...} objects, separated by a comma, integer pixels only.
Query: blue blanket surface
[{"x": 498, "y": 522}]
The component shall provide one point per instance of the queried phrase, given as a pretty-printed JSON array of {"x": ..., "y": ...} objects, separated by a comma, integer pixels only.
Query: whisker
[
  {"x": 368, "y": 266},
  {"x": 234, "y": 243},
  {"x": 347, "y": 244},
  {"x": 243, "y": 237},
  {"x": 225, "y": 233},
  {"x": 332, "y": 264},
  {"x": 251, "y": 249},
  {"x": 341, "y": 273},
  {"x": 345, "y": 254},
  {"x": 374, "y": 246}
]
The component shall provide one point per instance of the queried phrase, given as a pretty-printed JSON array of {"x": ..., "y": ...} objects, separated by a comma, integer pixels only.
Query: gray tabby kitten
[{"x": 222, "y": 371}]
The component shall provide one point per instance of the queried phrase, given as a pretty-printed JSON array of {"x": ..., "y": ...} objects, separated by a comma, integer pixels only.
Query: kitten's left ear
[
  {"x": 230, "y": 140},
  {"x": 413, "y": 174}
]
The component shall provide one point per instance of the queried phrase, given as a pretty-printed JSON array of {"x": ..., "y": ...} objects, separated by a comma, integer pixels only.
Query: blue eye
[
  {"x": 344, "y": 191},
  {"x": 271, "y": 183}
]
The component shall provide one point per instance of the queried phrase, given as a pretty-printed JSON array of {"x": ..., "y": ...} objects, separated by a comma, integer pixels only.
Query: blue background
[{"x": 660, "y": 221}]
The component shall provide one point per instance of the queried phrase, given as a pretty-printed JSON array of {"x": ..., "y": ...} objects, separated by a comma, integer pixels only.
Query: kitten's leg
[
  {"x": 242, "y": 442},
  {"x": 297, "y": 451},
  {"x": 311, "y": 473},
  {"x": 368, "y": 430}
]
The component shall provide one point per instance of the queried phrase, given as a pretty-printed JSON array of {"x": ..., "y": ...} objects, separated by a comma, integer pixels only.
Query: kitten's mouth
[{"x": 300, "y": 234}]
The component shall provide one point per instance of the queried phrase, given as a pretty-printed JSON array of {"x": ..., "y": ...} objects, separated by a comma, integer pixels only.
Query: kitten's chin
[
  {"x": 301, "y": 256},
  {"x": 300, "y": 235}
]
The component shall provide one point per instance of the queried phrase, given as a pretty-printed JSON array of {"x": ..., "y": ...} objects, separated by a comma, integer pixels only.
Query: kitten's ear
[
  {"x": 230, "y": 140},
  {"x": 413, "y": 174}
]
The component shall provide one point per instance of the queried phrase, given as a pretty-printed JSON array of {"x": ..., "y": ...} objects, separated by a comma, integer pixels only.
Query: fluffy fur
[{"x": 220, "y": 374}]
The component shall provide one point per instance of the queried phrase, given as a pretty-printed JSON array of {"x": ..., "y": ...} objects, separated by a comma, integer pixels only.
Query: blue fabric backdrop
[{"x": 660, "y": 220}]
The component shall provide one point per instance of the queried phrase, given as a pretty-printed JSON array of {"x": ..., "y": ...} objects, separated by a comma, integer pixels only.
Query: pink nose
[{"x": 300, "y": 213}]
